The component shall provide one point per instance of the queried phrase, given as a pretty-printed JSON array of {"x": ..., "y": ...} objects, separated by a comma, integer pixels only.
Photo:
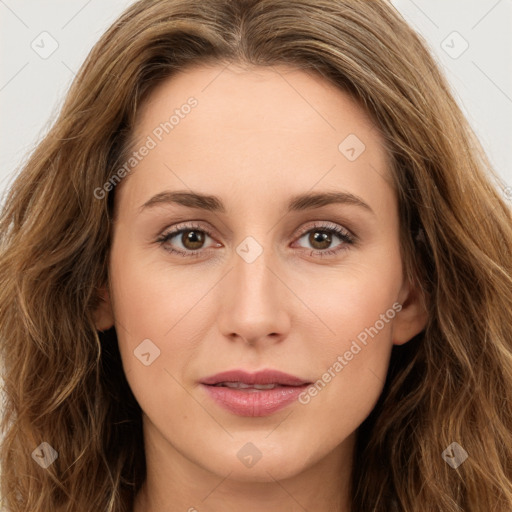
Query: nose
[{"x": 254, "y": 302}]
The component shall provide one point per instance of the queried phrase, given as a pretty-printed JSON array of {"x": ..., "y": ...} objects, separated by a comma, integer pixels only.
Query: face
[{"x": 279, "y": 254}]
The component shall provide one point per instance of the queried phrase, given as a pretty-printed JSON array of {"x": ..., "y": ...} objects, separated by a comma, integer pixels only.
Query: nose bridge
[
  {"x": 252, "y": 303},
  {"x": 254, "y": 284}
]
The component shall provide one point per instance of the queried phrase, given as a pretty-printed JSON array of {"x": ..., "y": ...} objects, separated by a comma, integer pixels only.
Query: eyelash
[{"x": 346, "y": 237}]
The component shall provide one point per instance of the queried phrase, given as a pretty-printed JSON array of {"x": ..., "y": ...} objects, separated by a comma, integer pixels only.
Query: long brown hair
[{"x": 63, "y": 380}]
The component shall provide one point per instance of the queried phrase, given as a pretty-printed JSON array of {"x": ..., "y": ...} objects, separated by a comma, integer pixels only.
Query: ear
[
  {"x": 104, "y": 316},
  {"x": 413, "y": 316}
]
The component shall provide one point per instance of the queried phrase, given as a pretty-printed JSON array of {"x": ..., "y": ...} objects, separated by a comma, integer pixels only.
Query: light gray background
[{"x": 32, "y": 88}]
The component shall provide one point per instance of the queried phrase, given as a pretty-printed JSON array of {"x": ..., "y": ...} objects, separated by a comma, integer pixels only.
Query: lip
[
  {"x": 260, "y": 377},
  {"x": 251, "y": 401}
]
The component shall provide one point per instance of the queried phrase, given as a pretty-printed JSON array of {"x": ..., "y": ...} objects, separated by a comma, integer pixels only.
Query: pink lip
[
  {"x": 253, "y": 402},
  {"x": 261, "y": 377}
]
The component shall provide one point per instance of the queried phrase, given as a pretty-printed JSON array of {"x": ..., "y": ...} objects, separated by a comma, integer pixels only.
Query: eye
[
  {"x": 192, "y": 240},
  {"x": 321, "y": 238}
]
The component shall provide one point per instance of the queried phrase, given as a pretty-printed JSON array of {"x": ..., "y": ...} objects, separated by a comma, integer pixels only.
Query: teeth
[
  {"x": 236, "y": 385},
  {"x": 242, "y": 385},
  {"x": 264, "y": 386}
]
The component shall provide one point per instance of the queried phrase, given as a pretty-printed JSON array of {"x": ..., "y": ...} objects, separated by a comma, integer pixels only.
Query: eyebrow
[{"x": 212, "y": 203}]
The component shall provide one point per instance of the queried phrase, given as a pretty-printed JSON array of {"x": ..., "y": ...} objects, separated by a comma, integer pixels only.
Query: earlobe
[
  {"x": 412, "y": 318},
  {"x": 103, "y": 315}
]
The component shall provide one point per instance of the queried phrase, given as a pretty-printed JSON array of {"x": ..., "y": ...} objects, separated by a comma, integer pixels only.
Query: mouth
[
  {"x": 254, "y": 394},
  {"x": 256, "y": 380},
  {"x": 247, "y": 387}
]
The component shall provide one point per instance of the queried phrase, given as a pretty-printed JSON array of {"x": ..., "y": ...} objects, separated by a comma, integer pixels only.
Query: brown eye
[
  {"x": 185, "y": 241},
  {"x": 192, "y": 239},
  {"x": 320, "y": 239}
]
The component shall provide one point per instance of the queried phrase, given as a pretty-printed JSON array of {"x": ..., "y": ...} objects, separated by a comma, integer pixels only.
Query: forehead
[
  {"x": 267, "y": 128},
  {"x": 255, "y": 98}
]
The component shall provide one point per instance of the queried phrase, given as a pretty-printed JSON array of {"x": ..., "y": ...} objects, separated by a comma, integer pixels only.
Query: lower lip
[{"x": 254, "y": 403}]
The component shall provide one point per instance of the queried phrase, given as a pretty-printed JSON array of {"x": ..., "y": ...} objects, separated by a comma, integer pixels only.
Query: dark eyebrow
[
  {"x": 210, "y": 203},
  {"x": 316, "y": 200},
  {"x": 190, "y": 199}
]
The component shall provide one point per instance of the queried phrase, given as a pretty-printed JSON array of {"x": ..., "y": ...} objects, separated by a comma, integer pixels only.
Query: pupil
[
  {"x": 195, "y": 238},
  {"x": 324, "y": 239}
]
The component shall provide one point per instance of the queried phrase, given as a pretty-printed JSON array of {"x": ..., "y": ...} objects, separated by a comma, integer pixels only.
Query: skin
[{"x": 257, "y": 137}]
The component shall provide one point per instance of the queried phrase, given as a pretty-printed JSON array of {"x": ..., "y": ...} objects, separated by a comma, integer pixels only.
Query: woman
[{"x": 170, "y": 343}]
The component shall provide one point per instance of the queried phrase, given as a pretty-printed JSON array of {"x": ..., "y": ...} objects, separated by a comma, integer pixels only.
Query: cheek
[
  {"x": 350, "y": 300},
  {"x": 357, "y": 307},
  {"x": 162, "y": 317},
  {"x": 150, "y": 300},
  {"x": 147, "y": 309}
]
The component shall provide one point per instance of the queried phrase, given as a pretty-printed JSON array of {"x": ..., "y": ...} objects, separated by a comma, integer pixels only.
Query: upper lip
[{"x": 260, "y": 377}]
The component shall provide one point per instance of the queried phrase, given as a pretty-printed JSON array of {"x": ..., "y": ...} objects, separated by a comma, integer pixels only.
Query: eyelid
[
  {"x": 325, "y": 224},
  {"x": 175, "y": 230},
  {"x": 191, "y": 225},
  {"x": 347, "y": 236}
]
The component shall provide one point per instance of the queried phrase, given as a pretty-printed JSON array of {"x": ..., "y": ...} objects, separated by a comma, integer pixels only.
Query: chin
[{"x": 260, "y": 460}]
